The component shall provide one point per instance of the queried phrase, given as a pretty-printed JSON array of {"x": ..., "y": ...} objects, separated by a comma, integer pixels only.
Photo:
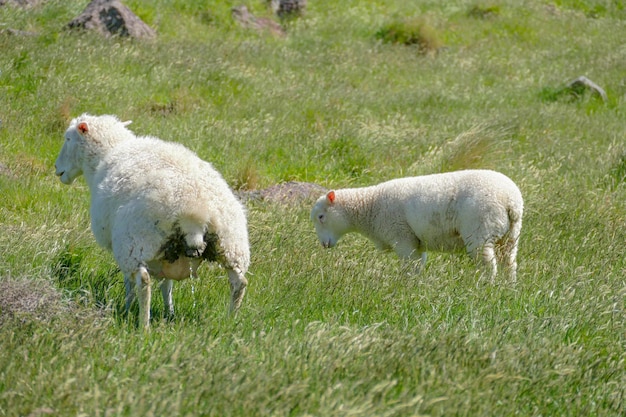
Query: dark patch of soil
[{"x": 290, "y": 193}]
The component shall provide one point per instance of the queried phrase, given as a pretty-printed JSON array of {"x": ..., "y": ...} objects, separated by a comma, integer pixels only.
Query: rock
[
  {"x": 582, "y": 83},
  {"x": 242, "y": 15},
  {"x": 23, "y": 3},
  {"x": 17, "y": 32},
  {"x": 111, "y": 17},
  {"x": 288, "y": 8}
]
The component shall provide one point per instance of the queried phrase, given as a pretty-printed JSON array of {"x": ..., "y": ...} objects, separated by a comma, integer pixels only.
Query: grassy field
[{"x": 340, "y": 102}]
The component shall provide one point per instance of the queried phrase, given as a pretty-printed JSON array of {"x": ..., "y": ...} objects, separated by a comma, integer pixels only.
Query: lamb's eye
[{"x": 321, "y": 217}]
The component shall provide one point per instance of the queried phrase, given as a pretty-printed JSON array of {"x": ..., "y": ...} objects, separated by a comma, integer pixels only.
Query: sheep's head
[
  {"x": 330, "y": 223},
  {"x": 69, "y": 162},
  {"x": 87, "y": 139}
]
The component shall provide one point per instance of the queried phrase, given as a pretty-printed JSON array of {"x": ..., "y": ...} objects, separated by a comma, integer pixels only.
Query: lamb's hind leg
[
  {"x": 487, "y": 255},
  {"x": 238, "y": 283},
  {"x": 489, "y": 260},
  {"x": 509, "y": 257}
]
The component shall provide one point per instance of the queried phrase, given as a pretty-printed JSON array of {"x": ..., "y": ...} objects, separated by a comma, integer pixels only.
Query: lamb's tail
[
  {"x": 514, "y": 212},
  {"x": 506, "y": 251}
]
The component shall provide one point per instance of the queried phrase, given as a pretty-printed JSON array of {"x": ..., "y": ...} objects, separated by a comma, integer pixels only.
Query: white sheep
[
  {"x": 476, "y": 210},
  {"x": 157, "y": 206}
]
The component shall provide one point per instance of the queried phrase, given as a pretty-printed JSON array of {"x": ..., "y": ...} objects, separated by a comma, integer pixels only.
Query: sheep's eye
[{"x": 320, "y": 217}]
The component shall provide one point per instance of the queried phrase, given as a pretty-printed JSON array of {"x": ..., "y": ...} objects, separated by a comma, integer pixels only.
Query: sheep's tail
[{"x": 193, "y": 226}]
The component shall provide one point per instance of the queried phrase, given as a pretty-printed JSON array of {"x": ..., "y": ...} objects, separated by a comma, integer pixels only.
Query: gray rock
[
  {"x": 288, "y": 8},
  {"x": 23, "y": 3},
  {"x": 242, "y": 15},
  {"x": 111, "y": 17},
  {"x": 17, "y": 32},
  {"x": 582, "y": 83}
]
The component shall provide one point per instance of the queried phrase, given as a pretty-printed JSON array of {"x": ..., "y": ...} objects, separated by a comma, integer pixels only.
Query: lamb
[
  {"x": 476, "y": 210},
  {"x": 157, "y": 206}
]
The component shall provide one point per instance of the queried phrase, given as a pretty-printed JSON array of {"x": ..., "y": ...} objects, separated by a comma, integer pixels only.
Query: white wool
[
  {"x": 145, "y": 192},
  {"x": 476, "y": 210}
]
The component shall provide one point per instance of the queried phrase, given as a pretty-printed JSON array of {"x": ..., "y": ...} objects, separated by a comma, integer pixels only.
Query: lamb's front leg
[
  {"x": 412, "y": 257},
  {"x": 144, "y": 288}
]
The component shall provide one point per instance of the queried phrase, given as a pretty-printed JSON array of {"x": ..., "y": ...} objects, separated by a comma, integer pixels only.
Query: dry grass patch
[
  {"x": 30, "y": 299},
  {"x": 412, "y": 31}
]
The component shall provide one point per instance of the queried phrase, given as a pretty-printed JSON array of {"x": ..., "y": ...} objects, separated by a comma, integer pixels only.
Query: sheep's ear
[
  {"x": 82, "y": 127},
  {"x": 330, "y": 197},
  {"x": 127, "y": 122}
]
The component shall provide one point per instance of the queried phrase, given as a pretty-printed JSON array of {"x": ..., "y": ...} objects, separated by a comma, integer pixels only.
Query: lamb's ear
[
  {"x": 330, "y": 197},
  {"x": 82, "y": 127}
]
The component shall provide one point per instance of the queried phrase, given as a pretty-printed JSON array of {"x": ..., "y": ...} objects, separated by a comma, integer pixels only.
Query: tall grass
[{"x": 342, "y": 332}]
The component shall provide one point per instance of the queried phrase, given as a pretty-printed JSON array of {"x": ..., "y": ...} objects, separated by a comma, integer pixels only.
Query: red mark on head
[
  {"x": 330, "y": 197},
  {"x": 82, "y": 127}
]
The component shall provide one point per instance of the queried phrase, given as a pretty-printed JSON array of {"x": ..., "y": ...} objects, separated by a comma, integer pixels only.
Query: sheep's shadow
[
  {"x": 100, "y": 285},
  {"x": 87, "y": 285}
]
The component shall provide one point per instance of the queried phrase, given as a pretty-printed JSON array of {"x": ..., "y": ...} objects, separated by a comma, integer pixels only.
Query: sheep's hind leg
[
  {"x": 168, "y": 302},
  {"x": 142, "y": 279},
  {"x": 238, "y": 285}
]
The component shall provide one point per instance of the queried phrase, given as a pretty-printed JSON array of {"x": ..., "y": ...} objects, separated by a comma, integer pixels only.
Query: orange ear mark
[
  {"x": 82, "y": 127},
  {"x": 330, "y": 197}
]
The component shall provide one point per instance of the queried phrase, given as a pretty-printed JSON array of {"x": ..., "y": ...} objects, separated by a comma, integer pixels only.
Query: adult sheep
[
  {"x": 157, "y": 206},
  {"x": 476, "y": 210}
]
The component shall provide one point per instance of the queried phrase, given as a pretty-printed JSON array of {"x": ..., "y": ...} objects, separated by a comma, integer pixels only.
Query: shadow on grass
[
  {"x": 89, "y": 284},
  {"x": 96, "y": 284}
]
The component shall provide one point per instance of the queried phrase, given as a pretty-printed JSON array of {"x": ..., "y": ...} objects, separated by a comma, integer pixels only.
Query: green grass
[{"x": 340, "y": 332}]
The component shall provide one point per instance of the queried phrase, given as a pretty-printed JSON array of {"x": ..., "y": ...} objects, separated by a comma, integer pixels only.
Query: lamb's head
[
  {"x": 83, "y": 138},
  {"x": 329, "y": 220}
]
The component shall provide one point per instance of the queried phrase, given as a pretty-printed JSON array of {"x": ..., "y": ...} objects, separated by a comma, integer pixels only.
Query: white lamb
[
  {"x": 157, "y": 206},
  {"x": 476, "y": 210}
]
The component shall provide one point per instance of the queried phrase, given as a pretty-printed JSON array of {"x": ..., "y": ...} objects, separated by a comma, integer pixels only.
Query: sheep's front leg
[
  {"x": 238, "y": 283},
  {"x": 166, "y": 291},
  {"x": 129, "y": 283},
  {"x": 142, "y": 279}
]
